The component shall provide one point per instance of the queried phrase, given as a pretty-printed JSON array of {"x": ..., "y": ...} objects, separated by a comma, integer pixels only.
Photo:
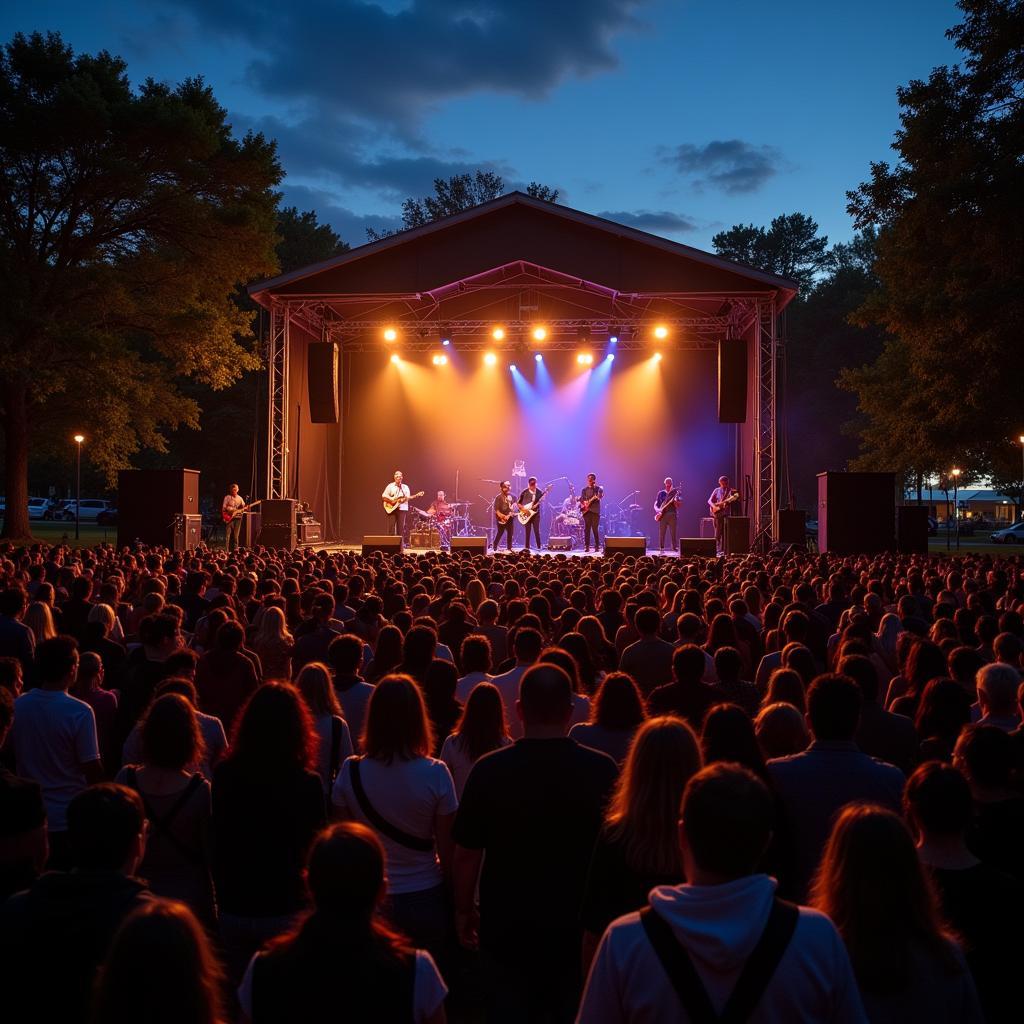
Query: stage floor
[{"x": 518, "y": 549}]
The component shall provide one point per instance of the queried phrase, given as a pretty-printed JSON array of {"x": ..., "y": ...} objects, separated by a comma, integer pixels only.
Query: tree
[
  {"x": 127, "y": 220},
  {"x": 303, "y": 240},
  {"x": 455, "y": 194},
  {"x": 790, "y": 247},
  {"x": 950, "y": 260}
]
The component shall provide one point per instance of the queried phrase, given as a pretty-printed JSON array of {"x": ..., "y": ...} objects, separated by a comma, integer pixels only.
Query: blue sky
[{"x": 681, "y": 117}]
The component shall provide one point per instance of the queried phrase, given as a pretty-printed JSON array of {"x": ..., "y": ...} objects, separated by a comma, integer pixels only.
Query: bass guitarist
[
  {"x": 529, "y": 500},
  {"x": 397, "y": 519},
  {"x": 721, "y": 503},
  {"x": 666, "y": 506},
  {"x": 504, "y": 514},
  {"x": 590, "y": 506},
  {"x": 231, "y": 509}
]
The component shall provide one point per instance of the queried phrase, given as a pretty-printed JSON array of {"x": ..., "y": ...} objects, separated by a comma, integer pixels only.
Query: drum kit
[{"x": 455, "y": 522}]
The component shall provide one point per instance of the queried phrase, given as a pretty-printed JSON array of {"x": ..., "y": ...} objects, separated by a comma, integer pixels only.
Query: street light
[
  {"x": 955, "y": 474},
  {"x": 1022, "y": 476},
  {"x": 79, "y": 438}
]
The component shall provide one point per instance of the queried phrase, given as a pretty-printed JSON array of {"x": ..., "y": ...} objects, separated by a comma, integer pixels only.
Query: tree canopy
[
  {"x": 127, "y": 220},
  {"x": 790, "y": 247}
]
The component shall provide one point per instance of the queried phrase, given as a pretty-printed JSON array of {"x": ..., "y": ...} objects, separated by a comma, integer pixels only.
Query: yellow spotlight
[
  {"x": 657, "y": 357},
  {"x": 498, "y": 334},
  {"x": 390, "y": 334},
  {"x": 585, "y": 359},
  {"x": 395, "y": 359},
  {"x": 539, "y": 333},
  {"x": 661, "y": 332},
  {"x": 440, "y": 359},
  {"x": 490, "y": 358}
]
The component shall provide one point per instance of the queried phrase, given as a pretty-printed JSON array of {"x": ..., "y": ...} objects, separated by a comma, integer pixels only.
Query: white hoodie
[{"x": 719, "y": 925}]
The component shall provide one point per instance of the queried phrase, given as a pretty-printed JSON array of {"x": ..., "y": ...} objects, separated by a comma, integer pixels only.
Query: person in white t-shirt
[
  {"x": 408, "y": 798},
  {"x": 481, "y": 729},
  {"x": 343, "y": 954},
  {"x": 527, "y": 647},
  {"x": 55, "y": 742},
  {"x": 476, "y": 660},
  {"x": 394, "y": 491}
]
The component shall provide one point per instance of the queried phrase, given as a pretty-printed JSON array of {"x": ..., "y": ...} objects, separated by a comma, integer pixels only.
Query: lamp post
[
  {"x": 79, "y": 438},
  {"x": 1021, "y": 507},
  {"x": 955, "y": 474}
]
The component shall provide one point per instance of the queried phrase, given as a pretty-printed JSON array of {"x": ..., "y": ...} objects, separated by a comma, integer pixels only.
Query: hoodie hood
[{"x": 718, "y": 924}]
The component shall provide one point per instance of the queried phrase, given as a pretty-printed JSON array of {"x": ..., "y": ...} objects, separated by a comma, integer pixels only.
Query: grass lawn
[
  {"x": 979, "y": 544},
  {"x": 64, "y": 533}
]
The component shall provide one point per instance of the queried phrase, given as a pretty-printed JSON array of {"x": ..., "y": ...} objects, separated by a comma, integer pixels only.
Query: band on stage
[{"x": 508, "y": 510}]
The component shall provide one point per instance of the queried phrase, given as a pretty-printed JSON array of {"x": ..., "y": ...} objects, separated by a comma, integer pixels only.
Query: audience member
[
  {"x": 481, "y": 729},
  {"x": 615, "y": 714}
]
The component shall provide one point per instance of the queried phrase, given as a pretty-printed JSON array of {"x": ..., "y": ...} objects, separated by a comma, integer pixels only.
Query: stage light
[
  {"x": 498, "y": 334},
  {"x": 440, "y": 359},
  {"x": 583, "y": 332},
  {"x": 610, "y": 358},
  {"x": 661, "y": 332},
  {"x": 513, "y": 367},
  {"x": 657, "y": 357},
  {"x": 539, "y": 358},
  {"x": 395, "y": 359},
  {"x": 613, "y": 338},
  {"x": 614, "y": 334},
  {"x": 585, "y": 359},
  {"x": 539, "y": 333},
  {"x": 390, "y": 334},
  {"x": 490, "y": 358},
  {"x": 446, "y": 342}
]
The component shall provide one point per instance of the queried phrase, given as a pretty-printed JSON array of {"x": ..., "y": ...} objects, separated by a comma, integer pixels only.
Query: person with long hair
[
  {"x": 602, "y": 653},
  {"x": 39, "y": 619},
  {"x": 334, "y": 740},
  {"x": 942, "y": 712},
  {"x": 419, "y": 648},
  {"x": 925, "y": 662},
  {"x": 443, "y": 709},
  {"x": 785, "y": 686},
  {"x": 408, "y": 798},
  {"x": 728, "y": 735},
  {"x": 268, "y": 804},
  {"x": 589, "y": 675},
  {"x": 481, "y": 729},
  {"x": 781, "y": 730},
  {"x": 616, "y": 713},
  {"x": 387, "y": 655},
  {"x": 343, "y": 953},
  {"x": 160, "y": 969},
  {"x": 638, "y": 846},
  {"x": 872, "y": 885},
  {"x": 274, "y": 644}
]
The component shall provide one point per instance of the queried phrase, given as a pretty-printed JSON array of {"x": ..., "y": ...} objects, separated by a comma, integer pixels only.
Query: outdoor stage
[
  {"x": 520, "y": 338},
  {"x": 544, "y": 553}
]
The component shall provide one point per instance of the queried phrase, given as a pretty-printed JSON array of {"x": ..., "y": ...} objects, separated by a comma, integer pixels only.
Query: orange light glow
[
  {"x": 661, "y": 332},
  {"x": 498, "y": 334},
  {"x": 390, "y": 334},
  {"x": 539, "y": 333},
  {"x": 490, "y": 358},
  {"x": 395, "y": 359},
  {"x": 440, "y": 359}
]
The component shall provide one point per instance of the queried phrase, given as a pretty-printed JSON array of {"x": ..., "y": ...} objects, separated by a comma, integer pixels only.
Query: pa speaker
[
  {"x": 732, "y": 380},
  {"x": 912, "y": 529},
  {"x": 627, "y": 545},
  {"x": 704, "y": 546},
  {"x": 793, "y": 526},
  {"x": 322, "y": 381},
  {"x": 737, "y": 535},
  {"x": 856, "y": 513},
  {"x": 469, "y": 545},
  {"x": 382, "y": 542},
  {"x": 277, "y": 523}
]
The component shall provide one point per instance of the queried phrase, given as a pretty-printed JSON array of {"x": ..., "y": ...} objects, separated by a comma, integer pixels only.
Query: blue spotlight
[
  {"x": 446, "y": 341},
  {"x": 614, "y": 338},
  {"x": 610, "y": 358},
  {"x": 513, "y": 367},
  {"x": 539, "y": 358}
]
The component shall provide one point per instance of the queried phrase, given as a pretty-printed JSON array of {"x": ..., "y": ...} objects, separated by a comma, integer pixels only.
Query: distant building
[{"x": 974, "y": 503}]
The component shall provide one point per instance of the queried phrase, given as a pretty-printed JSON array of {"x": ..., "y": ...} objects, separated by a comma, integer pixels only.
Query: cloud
[
  {"x": 393, "y": 65},
  {"x": 657, "y": 221},
  {"x": 729, "y": 165},
  {"x": 351, "y": 226}
]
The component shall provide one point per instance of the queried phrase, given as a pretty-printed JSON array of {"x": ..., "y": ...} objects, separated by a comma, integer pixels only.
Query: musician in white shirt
[
  {"x": 723, "y": 492},
  {"x": 233, "y": 502},
  {"x": 396, "y": 520}
]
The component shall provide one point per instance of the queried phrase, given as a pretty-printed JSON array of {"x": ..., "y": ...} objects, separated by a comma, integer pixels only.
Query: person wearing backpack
[{"x": 722, "y": 947}]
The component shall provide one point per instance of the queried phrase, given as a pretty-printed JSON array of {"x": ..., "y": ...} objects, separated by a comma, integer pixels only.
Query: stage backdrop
[{"x": 632, "y": 421}]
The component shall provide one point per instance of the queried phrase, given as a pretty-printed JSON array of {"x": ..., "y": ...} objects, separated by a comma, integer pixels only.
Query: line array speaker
[
  {"x": 322, "y": 381},
  {"x": 732, "y": 380}
]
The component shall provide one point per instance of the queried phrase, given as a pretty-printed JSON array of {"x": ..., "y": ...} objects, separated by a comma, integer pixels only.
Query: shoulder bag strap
[
  {"x": 679, "y": 968},
  {"x": 381, "y": 824},
  {"x": 335, "y": 746}
]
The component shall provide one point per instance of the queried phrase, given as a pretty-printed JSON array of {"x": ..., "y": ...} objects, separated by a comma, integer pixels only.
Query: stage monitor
[
  {"x": 625, "y": 545},
  {"x": 704, "y": 546},
  {"x": 391, "y": 545},
  {"x": 469, "y": 545}
]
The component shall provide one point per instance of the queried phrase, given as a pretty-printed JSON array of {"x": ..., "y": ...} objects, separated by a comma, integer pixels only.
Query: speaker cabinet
[
  {"x": 382, "y": 542},
  {"x": 148, "y": 500},
  {"x": 912, "y": 529},
  {"x": 322, "y": 381},
  {"x": 732, "y": 380},
  {"x": 188, "y": 532},
  {"x": 277, "y": 524},
  {"x": 469, "y": 545},
  {"x": 704, "y": 546},
  {"x": 626, "y": 545},
  {"x": 856, "y": 513},
  {"x": 559, "y": 543},
  {"x": 793, "y": 526},
  {"x": 309, "y": 533},
  {"x": 737, "y": 535},
  {"x": 424, "y": 539}
]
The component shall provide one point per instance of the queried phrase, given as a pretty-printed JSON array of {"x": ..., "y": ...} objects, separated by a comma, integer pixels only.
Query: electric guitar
[
  {"x": 391, "y": 504},
  {"x": 585, "y": 503},
  {"x": 659, "y": 510},
  {"x": 720, "y": 506},
  {"x": 504, "y": 517},
  {"x": 229, "y": 517},
  {"x": 531, "y": 508}
]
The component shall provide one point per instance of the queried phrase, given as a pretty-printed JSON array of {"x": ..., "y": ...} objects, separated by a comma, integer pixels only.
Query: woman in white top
[
  {"x": 481, "y": 729},
  {"x": 408, "y": 799},
  {"x": 333, "y": 737},
  {"x": 476, "y": 660}
]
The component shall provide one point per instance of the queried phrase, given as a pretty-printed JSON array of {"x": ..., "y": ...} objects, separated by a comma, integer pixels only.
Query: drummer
[{"x": 439, "y": 508}]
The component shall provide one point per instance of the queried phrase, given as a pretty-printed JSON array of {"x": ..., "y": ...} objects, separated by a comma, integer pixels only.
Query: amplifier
[
  {"x": 559, "y": 543},
  {"x": 309, "y": 532},
  {"x": 188, "y": 532},
  {"x": 424, "y": 539}
]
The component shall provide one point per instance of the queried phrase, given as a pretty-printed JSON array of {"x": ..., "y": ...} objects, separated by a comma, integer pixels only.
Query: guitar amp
[
  {"x": 559, "y": 543},
  {"x": 424, "y": 539}
]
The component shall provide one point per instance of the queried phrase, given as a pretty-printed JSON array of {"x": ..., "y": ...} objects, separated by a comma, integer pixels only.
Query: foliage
[
  {"x": 789, "y": 247},
  {"x": 946, "y": 388},
  {"x": 303, "y": 240},
  {"x": 455, "y": 194},
  {"x": 128, "y": 220}
]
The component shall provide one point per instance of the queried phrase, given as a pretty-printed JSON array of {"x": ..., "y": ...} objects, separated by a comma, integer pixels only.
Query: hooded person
[{"x": 722, "y": 945}]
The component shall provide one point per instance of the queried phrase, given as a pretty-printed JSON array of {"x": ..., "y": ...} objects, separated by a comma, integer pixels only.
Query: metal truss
[
  {"x": 765, "y": 427},
  {"x": 278, "y": 364}
]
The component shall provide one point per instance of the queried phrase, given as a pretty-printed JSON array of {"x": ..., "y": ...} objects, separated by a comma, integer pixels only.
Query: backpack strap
[
  {"x": 754, "y": 978},
  {"x": 335, "y": 747},
  {"x": 380, "y": 823},
  {"x": 161, "y": 824}
]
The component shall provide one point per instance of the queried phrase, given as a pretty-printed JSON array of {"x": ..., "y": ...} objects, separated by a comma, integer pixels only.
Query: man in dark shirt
[
  {"x": 16, "y": 639},
  {"x": 225, "y": 678},
  {"x": 530, "y": 496},
  {"x": 590, "y": 500},
  {"x": 687, "y": 695},
  {"x": 503, "y": 509},
  {"x": 891, "y": 738},
  {"x": 649, "y": 660},
  {"x": 667, "y": 502},
  {"x": 314, "y": 644},
  {"x": 534, "y": 809}
]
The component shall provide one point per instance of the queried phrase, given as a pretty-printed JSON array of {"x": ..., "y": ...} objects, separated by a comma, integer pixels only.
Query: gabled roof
[{"x": 787, "y": 289}]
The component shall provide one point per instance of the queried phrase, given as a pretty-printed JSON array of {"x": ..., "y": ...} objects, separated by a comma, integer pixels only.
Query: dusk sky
[{"x": 682, "y": 118}]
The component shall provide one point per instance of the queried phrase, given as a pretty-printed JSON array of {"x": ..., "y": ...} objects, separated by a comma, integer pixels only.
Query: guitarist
[
  {"x": 667, "y": 504},
  {"x": 393, "y": 491},
  {"x": 721, "y": 503},
  {"x": 530, "y": 497},
  {"x": 590, "y": 506},
  {"x": 231, "y": 511},
  {"x": 504, "y": 514}
]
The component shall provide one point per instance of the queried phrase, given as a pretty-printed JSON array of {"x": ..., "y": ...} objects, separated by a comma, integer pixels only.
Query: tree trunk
[
  {"x": 920, "y": 487},
  {"x": 15, "y": 423}
]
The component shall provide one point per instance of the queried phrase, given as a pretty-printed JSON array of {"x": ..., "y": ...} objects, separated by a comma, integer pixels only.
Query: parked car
[
  {"x": 38, "y": 508},
  {"x": 108, "y": 517},
  {"x": 1011, "y": 535},
  {"x": 91, "y": 508},
  {"x": 933, "y": 526}
]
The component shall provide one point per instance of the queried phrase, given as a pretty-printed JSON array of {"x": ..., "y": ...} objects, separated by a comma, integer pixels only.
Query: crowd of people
[{"x": 285, "y": 786}]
